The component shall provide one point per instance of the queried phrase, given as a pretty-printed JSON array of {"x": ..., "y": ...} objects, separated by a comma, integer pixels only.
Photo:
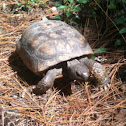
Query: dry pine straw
[{"x": 85, "y": 106}]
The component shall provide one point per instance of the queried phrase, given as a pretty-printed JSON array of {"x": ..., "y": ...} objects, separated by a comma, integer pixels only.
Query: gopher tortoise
[{"x": 49, "y": 47}]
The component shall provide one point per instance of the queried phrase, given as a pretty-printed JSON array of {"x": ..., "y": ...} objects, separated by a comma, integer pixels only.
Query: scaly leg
[
  {"x": 98, "y": 71},
  {"x": 48, "y": 80}
]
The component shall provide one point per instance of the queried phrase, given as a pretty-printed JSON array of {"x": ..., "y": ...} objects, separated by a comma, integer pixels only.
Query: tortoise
[{"x": 49, "y": 47}]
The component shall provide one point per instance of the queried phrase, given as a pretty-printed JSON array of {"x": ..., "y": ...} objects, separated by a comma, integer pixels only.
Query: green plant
[
  {"x": 30, "y": 4},
  {"x": 119, "y": 7},
  {"x": 70, "y": 9},
  {"x": 74, "y": 10},
  {"x": 26, "y": 5}
]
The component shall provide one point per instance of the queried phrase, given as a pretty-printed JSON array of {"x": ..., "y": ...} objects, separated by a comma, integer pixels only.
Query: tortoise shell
[{"x": 46, "y": 43}]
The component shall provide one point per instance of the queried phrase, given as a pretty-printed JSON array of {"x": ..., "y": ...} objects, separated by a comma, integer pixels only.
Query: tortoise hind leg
[
  {"x": 98, "y": 71},
  {"x": 47, "y": 81}
]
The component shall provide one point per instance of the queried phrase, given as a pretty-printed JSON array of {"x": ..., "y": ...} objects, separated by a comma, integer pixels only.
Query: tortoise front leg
[
  {"x": 48, "y": 80},
  {"x": 98, "y": 71}
]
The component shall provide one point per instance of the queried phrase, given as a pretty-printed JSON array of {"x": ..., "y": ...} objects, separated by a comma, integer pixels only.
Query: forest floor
[{"x": 81, "y": 104}]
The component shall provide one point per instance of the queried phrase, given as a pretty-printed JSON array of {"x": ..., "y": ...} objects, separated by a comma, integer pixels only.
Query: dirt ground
[{"x": 66, "y": 104}]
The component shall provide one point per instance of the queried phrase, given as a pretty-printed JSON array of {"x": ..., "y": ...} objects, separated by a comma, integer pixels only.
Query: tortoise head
[{"x": 78, "y": 70}]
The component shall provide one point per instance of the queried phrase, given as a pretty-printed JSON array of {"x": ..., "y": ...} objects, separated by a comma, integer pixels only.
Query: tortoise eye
[{"x": 78, "y": 74}]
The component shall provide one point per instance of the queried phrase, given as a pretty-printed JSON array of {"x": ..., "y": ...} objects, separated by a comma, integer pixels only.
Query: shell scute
[{"x": 44, "y": 52}]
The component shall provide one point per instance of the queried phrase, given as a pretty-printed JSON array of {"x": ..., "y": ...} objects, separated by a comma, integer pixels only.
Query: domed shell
[{"x": 47, "y": 43}]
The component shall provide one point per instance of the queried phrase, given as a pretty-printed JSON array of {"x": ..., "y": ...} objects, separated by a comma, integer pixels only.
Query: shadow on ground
[{"x": 122, "y": 73}]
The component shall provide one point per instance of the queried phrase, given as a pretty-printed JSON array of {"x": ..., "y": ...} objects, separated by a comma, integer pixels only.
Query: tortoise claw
[
  {"x": 108, "y": 85},
  {"x": 104, "y": 87},
  {"x": 101, "y": 88}
]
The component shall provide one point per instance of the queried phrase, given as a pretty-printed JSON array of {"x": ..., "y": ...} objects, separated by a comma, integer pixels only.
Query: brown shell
[{"x": 47, "y": 43}]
